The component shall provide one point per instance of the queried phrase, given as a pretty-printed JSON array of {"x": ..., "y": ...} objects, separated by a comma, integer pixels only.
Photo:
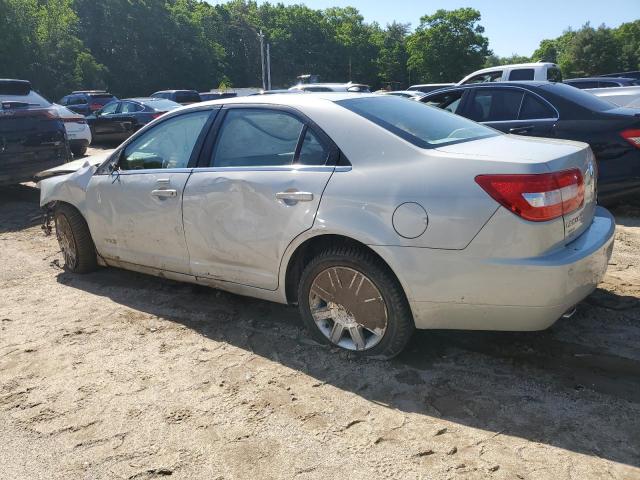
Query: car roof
[
  {"x": 513, "y": 65},
  {"x": 89, "y": 91},
  {"x": 604, "y": 79},
  {"x": 284, "y": 99},
  {"x": 175, "y": 91},
  {"x": 526, "y": 83}
]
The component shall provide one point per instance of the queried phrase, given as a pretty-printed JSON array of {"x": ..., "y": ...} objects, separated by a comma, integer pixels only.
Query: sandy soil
[{"x": 120, "y": 375}]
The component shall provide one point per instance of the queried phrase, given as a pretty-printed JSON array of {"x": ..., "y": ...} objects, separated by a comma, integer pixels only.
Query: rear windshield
[
  {"x": 101, "y": 98},
  {"x": 187, "y": 97},
  {"x": 584, "y": 99},
  {"x": 32, "y": 99},
  {"x": 420, "y": 124},
  {"x": 161, "y": 104},
  {"x": 14, "y": 87}
]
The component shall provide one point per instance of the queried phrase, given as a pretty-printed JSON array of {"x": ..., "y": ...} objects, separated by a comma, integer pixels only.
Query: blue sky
[{"x": 512, "y": 26}]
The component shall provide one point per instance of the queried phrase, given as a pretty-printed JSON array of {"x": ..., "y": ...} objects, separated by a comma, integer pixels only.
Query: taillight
[
  {"x": 157, "y": 114},
  {"x": 94, "y": 106},
  {"x": 79, "y": 120},
  {"x": 632, "y": 136},
  {"x": 536, "y": 197}
]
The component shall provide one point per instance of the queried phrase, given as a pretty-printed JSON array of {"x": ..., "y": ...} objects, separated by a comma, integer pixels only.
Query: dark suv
[
  {"x": 32, "y": 136},
  {"x": 183, "y": 97},
  {"x": 86, "y": 102}
]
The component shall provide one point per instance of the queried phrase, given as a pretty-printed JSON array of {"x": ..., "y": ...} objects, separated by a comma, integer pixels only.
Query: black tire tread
[
  {"x": 87, "y": 259},
  {"x": 399, "y": 331}
]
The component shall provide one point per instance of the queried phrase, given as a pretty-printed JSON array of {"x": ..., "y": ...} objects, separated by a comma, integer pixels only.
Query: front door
[
  {"x": 259, "y": 189},
  {"x": 135, "y": 212}
]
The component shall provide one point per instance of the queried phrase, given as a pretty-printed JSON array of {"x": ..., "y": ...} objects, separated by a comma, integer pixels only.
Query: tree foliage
[
  {"x": 447, "y": 45},
  {"x": 135, "y": 47}
]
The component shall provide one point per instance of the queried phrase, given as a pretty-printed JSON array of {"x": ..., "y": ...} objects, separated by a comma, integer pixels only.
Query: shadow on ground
[{"x": 530, "y": 385}]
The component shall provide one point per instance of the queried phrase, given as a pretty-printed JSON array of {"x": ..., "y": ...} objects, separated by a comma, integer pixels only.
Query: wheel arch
[{"x": 309, "y": 247}]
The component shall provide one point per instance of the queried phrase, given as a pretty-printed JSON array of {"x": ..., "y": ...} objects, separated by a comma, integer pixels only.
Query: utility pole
[
  {"x": 269, "y": 66},
  {"x": 261, "y": 35}
]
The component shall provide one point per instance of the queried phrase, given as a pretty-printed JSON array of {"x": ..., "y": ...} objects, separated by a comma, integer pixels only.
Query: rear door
[
  {"x": 258, "y": 188},
  {"x": 511, "y": 110}
]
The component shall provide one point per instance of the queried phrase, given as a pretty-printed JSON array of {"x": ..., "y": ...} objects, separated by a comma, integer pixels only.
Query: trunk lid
[{"x": 513, "y": 154}]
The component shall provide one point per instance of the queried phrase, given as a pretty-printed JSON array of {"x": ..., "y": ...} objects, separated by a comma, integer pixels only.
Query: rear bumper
[{"x": 457, "y": 290}]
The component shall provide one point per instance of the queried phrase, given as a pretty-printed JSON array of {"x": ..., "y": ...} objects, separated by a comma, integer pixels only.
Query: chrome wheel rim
[
  {"x": 348, "y": 308},
  {"x": 66, "y": 241}
]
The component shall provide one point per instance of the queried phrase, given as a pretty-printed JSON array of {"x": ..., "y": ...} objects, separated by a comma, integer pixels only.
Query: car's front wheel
[
  {"x": 74, "y": 239},
  {"x": 350, "y": 299}
]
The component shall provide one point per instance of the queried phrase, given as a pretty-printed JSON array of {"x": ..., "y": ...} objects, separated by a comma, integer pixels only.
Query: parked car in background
[
  {"x": 183, "y": 97},
  {"x": 117, "y": 120},
  {"x": 631, "y": 74},
  {"x": 601, "y": 82},
  {"x": 206, "y": 96},
  {"x": 32, "y": 135},
  {"x": 264, "y": 196},
  {"x": 556, "y": 110},
  {"x": 78, "y": 131},
  {"x": 429, "y": 87},
  {"x": 86, "y": 102},
  {"x": 411, "y": 94},
  {"x": 331, "y": 87},
  {"x": 621, "y": 96},
  {"x": 515, "y": 73}
]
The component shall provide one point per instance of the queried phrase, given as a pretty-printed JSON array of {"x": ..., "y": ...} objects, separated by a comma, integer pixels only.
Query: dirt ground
[{"x": 121, "y": 375}]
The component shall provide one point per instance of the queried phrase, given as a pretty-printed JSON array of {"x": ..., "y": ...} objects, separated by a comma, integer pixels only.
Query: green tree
[
  {"x": 589, "y": 51},
  {"x": 447, "y": 45},
  {"x": 496, "y": 60},
  {"x": 628, "y": 38},
  {"x": 392, "y": 57}
]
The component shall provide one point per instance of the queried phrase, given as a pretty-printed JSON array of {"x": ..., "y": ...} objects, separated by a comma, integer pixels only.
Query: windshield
[{"x": 420, "y": 124}]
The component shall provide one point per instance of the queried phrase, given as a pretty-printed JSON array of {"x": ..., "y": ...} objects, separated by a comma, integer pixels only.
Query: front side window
[
  {"x": 167, "y": 145},
  {"x": 495, "y": 105},
  {"x": 522, "y": 74},
  {"x": 254, "y": 137},
  {"x": 415, "y": 122}
]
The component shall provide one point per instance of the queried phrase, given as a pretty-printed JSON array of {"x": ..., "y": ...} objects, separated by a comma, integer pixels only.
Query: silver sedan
[{"x": 374, "y": 215}]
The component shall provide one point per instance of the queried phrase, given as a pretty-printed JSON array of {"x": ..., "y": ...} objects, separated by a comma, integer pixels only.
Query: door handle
[
  {"x": 164, "y": 193},
  {"x": 525, "y": 129},
  {"x": 295, "y": 196}
]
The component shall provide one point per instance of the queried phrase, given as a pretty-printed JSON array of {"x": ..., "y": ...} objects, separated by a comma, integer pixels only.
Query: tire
[
  {"x": 78, "y": 150},
  {"x": 75, "y": 240},
  {"x": 355, "y": 276}
]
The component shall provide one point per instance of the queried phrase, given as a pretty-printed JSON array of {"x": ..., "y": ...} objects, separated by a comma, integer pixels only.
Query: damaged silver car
[{"x": 374, "y": 215}]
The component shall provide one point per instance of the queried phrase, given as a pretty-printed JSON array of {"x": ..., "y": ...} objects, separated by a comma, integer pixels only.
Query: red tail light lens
[
  {"x": 157, "y": 114},
  {"x": 536, "y": 197},
  {"x": 632, "y": 136},
  {"x": 95, "y": 106}
]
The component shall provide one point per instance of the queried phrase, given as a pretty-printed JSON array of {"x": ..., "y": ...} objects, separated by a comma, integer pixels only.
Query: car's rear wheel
[
  {"x": 78, "y": 150},
  {"x": 75, "y": 240},
  {"x": 350, "y": 299}
]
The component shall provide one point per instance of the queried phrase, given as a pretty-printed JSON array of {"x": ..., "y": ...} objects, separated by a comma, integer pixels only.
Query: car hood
[{"x": 71, "y": 167}]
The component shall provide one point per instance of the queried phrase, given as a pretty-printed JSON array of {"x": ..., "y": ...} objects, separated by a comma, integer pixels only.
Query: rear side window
[
  {"x": 580, "y": 98},
  {"x": 554, "y": 74},
  {"x": 449, "y": 101},
  {"x": 257, "y": 137},
  {"x": 415, "y": 122},
  {"x": 312, "y": 151},
  {"x": 534, "y": 108},
  {"x": 495, "y": 105},
  {"x": 584, "y": 84},
  {"x": 522, "y": 74}
]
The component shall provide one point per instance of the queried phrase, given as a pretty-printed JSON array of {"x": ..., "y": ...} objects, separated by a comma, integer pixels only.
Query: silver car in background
[{"x": 374, "y": 214}]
